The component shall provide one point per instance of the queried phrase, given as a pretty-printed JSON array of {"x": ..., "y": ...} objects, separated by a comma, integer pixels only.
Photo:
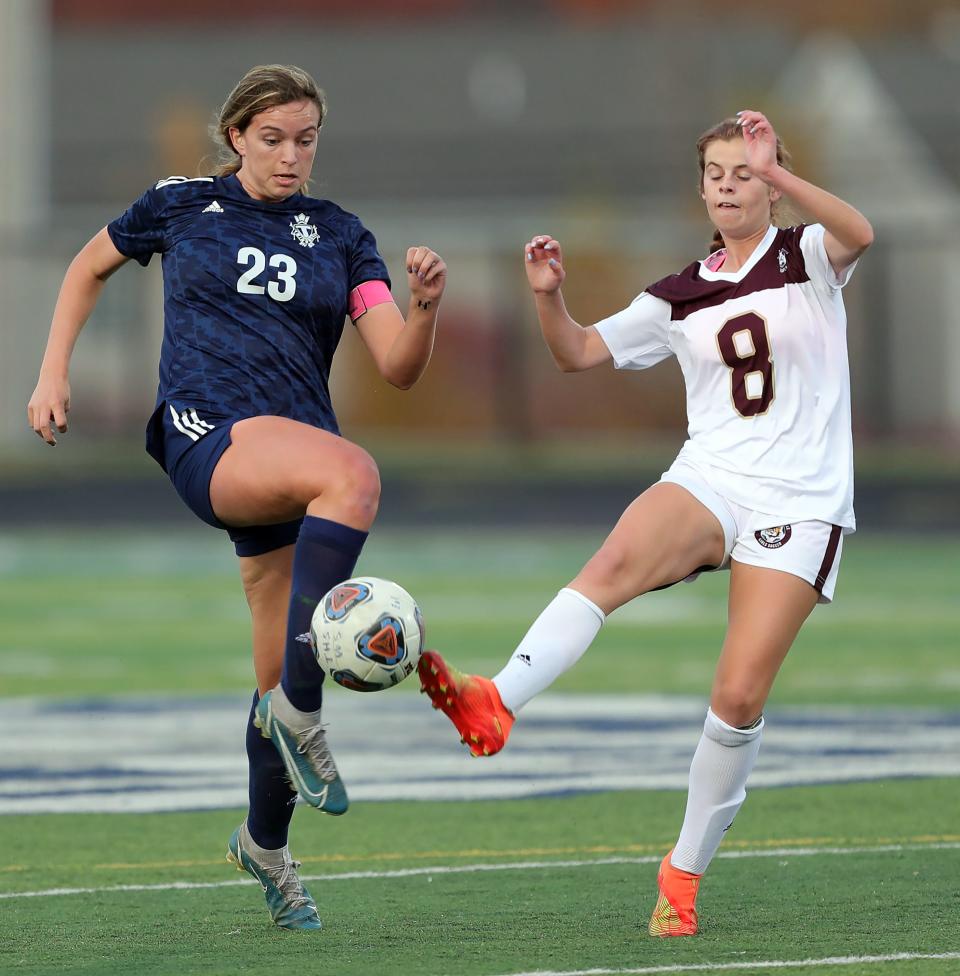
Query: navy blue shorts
[{"x": 188, "y": 446}]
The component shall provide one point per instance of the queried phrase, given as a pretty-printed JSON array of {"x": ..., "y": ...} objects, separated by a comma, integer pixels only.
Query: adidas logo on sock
[
  {"x": 213, "y": 208},
  {"x": 525, "y": 658}
]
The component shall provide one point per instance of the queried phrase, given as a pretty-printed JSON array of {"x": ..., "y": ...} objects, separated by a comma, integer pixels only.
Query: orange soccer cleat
[
  {"x": 676, "y": 909},
  {"x": 472, "y": 703}
]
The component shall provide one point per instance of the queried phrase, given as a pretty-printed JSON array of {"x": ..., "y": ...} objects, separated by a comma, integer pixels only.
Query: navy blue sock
[
  {"x": 271, "y": 796},
  {"x": 326, "y": 554}
]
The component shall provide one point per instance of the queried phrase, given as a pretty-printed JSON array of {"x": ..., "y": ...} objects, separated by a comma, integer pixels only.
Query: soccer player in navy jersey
[
  {"x": 258, "y": 281},
  {"x": 763, "y": 485}
]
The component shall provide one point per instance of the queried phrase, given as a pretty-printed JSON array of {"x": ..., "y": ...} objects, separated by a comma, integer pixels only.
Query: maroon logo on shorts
[{"x": 774, "y": 538}]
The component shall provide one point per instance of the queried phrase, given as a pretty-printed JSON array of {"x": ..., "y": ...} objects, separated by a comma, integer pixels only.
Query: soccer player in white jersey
[{"x": 763, "y": 485}]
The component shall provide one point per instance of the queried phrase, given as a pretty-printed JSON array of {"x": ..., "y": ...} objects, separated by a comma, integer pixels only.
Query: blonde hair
[
  {"x": 262, "y": 87},
  {"x": 780, "y": 213}
]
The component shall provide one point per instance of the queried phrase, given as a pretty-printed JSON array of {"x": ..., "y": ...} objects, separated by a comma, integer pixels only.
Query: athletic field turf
[{"x": 848, "y": 878}]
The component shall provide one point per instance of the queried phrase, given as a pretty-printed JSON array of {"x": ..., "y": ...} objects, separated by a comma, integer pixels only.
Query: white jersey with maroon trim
[{"x": 763, "y": 352}]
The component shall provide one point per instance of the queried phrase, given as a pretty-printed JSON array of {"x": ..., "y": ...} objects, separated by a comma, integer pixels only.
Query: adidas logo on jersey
[{"x": 213, "y": 208}]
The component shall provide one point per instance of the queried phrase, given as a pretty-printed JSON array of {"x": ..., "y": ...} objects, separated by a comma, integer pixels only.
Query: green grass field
[
  {"x": 850, "y": 872},
  {"x": 117, "y": 614},
  {"x": 575, "y": 910}
]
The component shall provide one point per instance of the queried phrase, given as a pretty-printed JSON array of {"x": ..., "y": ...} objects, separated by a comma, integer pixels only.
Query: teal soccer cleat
[
  {"x": 302, "y": 743},
  {"x": 290, "y": 904}
]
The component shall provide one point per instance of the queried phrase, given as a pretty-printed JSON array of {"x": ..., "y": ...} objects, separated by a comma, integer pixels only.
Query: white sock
[
  {"x": 554, "y": 643},
  {"x": 718, "y": 777}
]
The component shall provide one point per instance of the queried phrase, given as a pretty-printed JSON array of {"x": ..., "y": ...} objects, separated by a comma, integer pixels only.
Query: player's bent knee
[
  {"x": 607, "y": 567},
  {"x": 616, "y": 572},
  {"x": 351, "y": 490},
  {"x": 361, "y": 480},
  {"x": 739, "y": 707}
]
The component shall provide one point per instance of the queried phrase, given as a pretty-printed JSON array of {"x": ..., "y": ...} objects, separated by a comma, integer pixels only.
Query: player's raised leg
[
  {"x": 274, "y": 471},
  {"x": 766, "y": 610},
  {"x": 636, "y": 557}
]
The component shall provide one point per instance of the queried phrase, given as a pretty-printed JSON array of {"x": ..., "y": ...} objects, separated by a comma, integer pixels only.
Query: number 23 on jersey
[{"x": 280, "y": 286}]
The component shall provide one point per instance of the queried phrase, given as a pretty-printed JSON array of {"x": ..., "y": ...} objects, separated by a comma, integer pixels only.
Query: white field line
[
  {"x": 720, "y": 967},
  {"x": 477, "y": 868}
]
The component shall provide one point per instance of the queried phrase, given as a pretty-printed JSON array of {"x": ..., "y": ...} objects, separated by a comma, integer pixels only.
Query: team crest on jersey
[
  {"x": 775, "y": 537},
  {"x": 782, "y": 260},
  {"x": 304, "y": 233}
]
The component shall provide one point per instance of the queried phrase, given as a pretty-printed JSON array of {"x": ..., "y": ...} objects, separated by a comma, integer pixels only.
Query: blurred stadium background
[{"x": 470, "y": 127}]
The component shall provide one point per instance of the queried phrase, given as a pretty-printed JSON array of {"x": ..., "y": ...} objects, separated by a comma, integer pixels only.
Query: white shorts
[{"x": 810, "y": 550}]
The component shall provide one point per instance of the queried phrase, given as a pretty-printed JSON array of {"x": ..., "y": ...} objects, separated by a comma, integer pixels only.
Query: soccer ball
[{"x": 367, "y": 634}]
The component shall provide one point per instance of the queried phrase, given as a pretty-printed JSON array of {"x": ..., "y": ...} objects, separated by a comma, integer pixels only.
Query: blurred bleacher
[{"x": 470, "y": 127}]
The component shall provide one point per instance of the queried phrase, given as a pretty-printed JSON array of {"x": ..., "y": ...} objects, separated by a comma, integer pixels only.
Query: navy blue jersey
[{"x": 255, "y": 295}]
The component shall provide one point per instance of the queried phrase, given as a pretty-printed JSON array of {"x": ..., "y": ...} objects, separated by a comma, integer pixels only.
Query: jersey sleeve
[
  {"x": 365, "y": 261},
  {"x": 817, "y": 264},
  {"x": 139, "y": 232},
  {"x": 638, "y": 336}
]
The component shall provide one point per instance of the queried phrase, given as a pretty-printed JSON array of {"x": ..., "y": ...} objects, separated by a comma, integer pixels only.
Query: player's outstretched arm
[
  {"x": 848, "y": 232},
  {"x": 573, "y": 347},
  {"x": 402, "y": 348},
  {"x": 82, "y": 284}
]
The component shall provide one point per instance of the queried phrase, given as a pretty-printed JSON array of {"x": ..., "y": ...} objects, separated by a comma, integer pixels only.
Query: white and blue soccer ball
[{"x": 367, "y": 633}]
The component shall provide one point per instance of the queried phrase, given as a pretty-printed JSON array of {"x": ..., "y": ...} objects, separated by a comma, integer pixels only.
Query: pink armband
[{"x": 365, "y": 296}]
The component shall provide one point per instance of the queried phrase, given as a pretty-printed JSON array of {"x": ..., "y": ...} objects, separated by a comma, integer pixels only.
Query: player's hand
[
  {"x": 426, "y": 274},
  {"x": 760, "y": 141},
  {"x": 544, "y": 262},
  {"x": 48, "y": 407}
]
